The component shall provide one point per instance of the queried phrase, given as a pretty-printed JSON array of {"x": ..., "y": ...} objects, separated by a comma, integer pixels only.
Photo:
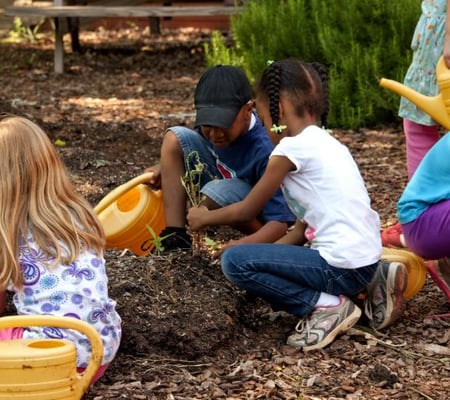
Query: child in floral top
[
  {"x": 51, "y": 256},
  {"x": 430, "y": 41}
]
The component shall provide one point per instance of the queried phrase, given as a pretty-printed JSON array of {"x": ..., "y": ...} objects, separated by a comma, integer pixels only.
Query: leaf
[{"x": 60, "y": 142}]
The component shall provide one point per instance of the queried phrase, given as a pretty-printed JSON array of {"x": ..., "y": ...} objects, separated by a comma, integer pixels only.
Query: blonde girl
[{"x": 51, "y": 252}]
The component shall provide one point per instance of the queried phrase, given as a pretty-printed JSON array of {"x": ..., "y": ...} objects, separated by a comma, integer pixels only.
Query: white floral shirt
[{"x": 78, "y": 290}]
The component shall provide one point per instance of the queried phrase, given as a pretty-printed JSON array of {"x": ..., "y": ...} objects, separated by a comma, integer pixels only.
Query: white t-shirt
[{"x": 327, "y": 192}]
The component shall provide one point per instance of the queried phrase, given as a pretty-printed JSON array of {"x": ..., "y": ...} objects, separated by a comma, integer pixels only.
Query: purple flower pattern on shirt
[
  {"x": 78, "y": 290},
  {"x": 76, "y": 273}
]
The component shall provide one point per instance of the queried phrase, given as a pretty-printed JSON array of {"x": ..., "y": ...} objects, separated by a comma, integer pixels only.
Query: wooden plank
[
  {"x": 58, "y": 55},
  {"x": 120, "y": 11},
  {"x": 59, "y": 11}
]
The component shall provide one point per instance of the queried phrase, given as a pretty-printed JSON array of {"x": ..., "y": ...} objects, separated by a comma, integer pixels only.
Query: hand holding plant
[{"x": 195, "y": 217}]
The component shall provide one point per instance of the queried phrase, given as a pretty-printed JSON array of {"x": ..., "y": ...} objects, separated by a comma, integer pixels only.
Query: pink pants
[
  {"x": 419, "y": 139},
  {"x": 17, "y": 333},
  {"x": 11, "y": 333},
  {"x": 98, "y": 375}
]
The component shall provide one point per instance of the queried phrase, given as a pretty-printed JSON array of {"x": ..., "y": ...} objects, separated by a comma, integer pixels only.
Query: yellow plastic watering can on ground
[
  {"x": 128, "y": 211},
  {"x": 417, "y": 271},
  {"x": 438, "y": 107},
  {"x": 45, "y": 369}
]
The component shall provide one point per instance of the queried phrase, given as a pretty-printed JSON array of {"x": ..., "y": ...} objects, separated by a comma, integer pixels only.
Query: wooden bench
[{"x": 59, "y": 11}]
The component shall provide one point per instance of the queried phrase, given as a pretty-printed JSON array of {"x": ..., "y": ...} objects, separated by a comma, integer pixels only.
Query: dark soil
[{"x": 188, "y": 333}]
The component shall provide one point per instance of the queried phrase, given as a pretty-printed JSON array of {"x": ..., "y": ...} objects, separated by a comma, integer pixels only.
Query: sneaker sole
[
  {"x": 346, "y": 324},
  {"x": 396, "y": 284}
]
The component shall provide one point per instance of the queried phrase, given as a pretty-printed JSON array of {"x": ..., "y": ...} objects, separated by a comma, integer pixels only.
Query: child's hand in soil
[{"x": 196, "y": 217}]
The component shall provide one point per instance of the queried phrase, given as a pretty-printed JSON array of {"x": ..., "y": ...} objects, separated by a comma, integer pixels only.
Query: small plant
[
  {"x": 212, "y": 246},
  {"x": 192, "y": 183},
  {"x": 157, "y": 240},
  {"x": 191, "y": 180},
  {"x": 21, "y": 32}
]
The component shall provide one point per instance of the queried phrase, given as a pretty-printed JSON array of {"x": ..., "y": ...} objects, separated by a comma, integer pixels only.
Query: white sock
[
  {"x": 402, "y": 240},
  {"x": 327, "y": 300}
]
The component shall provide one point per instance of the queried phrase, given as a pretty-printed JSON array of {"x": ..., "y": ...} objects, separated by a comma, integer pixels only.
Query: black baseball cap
[{"x": 220, "y": 94}]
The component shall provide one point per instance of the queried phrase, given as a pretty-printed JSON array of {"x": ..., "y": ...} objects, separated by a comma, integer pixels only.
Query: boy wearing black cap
[{"x": 233, "y": 148}]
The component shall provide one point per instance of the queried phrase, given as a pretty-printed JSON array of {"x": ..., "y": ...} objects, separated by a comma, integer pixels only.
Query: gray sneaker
[
  {"x": 386, "y": 301},
  {"x": 321, "y": 327}
]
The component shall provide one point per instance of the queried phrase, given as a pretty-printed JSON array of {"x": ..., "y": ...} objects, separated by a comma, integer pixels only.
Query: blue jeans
[{"x": 290, "y": 278}]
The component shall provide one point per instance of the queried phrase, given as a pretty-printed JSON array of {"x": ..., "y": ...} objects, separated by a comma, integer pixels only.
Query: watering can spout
[{"x": 438, "y": 107}]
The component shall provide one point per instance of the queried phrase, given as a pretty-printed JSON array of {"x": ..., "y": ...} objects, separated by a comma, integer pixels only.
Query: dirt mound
[{"x": 180, "y": 306}]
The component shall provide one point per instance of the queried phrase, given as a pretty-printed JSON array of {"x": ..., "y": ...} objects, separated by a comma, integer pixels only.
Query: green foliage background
[{"x": 359, "y": 41}]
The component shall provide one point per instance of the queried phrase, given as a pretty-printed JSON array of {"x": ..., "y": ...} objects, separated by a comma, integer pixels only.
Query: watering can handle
[
  {"x": 23, "y": 321},
  {"x": 119, "y": 191}
]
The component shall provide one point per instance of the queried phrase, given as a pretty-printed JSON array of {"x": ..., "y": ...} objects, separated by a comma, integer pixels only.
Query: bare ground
[{"x": 188, "y": 334}]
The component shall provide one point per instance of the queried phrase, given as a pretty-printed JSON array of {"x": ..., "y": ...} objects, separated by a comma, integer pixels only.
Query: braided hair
[
  {"x": 323, "y": 83},
  {"x": 306, "y": 84}
]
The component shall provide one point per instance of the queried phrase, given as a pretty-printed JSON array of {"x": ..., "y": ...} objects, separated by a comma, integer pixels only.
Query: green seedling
[
  {"x": 157, "y": 240},
  {"x": 211, "y": 245}
]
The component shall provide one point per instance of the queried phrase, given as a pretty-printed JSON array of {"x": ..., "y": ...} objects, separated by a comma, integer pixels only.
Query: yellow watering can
[
  {"x": 438, "y": 107},
  {"x": 417, "y": 271},
  {"x": 128, "y": 211},
  {"x": 45, "y": 369}
]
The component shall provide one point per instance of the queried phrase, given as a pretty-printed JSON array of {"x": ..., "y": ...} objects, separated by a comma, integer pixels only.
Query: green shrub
[{"x": 359, "y": 42}]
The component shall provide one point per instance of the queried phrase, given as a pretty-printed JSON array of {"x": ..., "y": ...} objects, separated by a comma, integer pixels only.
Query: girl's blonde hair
[{"x": 37, "y": 196}]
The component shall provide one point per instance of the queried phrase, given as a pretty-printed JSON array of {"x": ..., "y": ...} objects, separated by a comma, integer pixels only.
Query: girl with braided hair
[{"x": 334, "y": 249}]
